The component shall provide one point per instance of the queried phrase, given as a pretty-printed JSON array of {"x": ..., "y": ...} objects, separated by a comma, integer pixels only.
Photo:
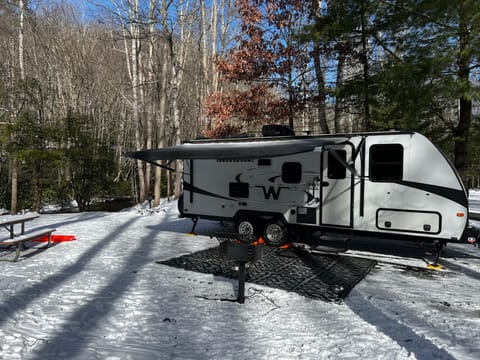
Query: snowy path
[{"x": 104, "y": 297}]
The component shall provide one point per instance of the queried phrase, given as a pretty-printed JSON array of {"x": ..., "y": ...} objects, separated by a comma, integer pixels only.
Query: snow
[
  {"x": 474, "y": 200},
  {"x": 104, "y": 296}
]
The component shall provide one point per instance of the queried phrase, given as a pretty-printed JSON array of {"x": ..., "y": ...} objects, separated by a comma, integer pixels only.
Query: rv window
[
  {"x": 386, "y": 162},
  {"x": 264, "y": 162},
  {"x": 238, "y": 190},
  {"x": 292, "y": 172},
  {"x": 337, "y": 170}
]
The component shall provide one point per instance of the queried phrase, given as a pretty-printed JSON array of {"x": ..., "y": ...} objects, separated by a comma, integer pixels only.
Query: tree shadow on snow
[
  {"x": 77, "y": 331},
  {"x": 21, "y": 300},
  {"x": 73, "y": 219},
  {"x": 7, "y": 254},
  {"x": 72, "y": 338},
  {"x": 184, "y": 226},
  {"x": 461, "y": 269},
  {"x": 402, "y": 334}
]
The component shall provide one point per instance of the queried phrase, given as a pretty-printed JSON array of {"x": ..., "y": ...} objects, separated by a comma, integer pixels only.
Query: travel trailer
[{"x": 388, "y": 184}]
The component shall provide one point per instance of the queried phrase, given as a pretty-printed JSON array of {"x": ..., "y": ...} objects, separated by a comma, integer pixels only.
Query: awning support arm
[{"x": 341, "y": 161}]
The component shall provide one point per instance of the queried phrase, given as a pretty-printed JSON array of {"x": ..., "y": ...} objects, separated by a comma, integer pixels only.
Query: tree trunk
[
  {"x": 366, "y": 96},
  {"x": 462, "y": 137},
  {"x": 338, "y": 99},
  {"x": 14, "y": 184},
  {"x": 176, "y": 114},
  {"x": 204, "y": 79},
  {"x": 14, "y": 163},
  {"x": 37, "y": 195},
  {"x": 213, "y": 42},
  {"x": 177, "y": 62},
  {"x": 290, "y": 99},
  {"x": 162, "y": 106},
  {"x": 321, "y": 105},
  {"x": 21, "y": 30},
  {"x": 462, "y": 131},
  {"x": 151, "y": 106},
  {"x": 162, "y": 116},
  {"x": 135, "y": 50}
]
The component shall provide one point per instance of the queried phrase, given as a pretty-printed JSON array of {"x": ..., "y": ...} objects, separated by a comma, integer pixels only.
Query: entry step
[
  {"x": 329, "y": 243},
  {"x": 334, "y": 237}
]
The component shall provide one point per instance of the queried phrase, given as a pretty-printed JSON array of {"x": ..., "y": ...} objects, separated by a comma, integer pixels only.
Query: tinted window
[
  {"x": 292, "y": 172},
  {"x": 337, "y": 170},
  {"x": 386, "y": 162},
  {"x": 238, "y": 190}
]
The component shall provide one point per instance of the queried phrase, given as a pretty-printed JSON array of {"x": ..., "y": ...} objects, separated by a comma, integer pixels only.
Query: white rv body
[{"x": 392, "y": 184}]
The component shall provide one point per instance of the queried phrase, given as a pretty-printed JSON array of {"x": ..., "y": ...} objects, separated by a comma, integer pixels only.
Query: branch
[
  {"x": 6, "y": 110},
  {"x": 438, "y": 113},
  {"x": 383, "y": 46},
  {"x": 476, "y": 66},
  {"x": 426, "y": 17}
]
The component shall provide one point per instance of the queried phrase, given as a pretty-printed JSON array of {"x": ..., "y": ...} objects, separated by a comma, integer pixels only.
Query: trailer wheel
[
  {"x": 275, "y": 233},
  {"x": 245, "y": 226}
]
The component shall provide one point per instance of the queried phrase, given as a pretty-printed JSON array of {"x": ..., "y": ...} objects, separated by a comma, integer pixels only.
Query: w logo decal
[{"x": 271, "y": 192}]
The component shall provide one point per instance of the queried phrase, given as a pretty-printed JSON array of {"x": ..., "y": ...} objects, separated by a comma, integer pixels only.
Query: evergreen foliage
[
  {"x": 417, "y": 69},
  {"x": 89, "y": 164},
  {"x": 58, "y": 164}
]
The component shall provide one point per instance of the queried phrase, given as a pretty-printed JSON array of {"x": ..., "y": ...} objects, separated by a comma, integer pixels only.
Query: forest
[{"x": 82, "y": 82}]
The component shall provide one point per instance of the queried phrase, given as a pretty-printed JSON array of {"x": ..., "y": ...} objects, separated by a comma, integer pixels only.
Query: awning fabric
[{"x": 247, "y": 149}]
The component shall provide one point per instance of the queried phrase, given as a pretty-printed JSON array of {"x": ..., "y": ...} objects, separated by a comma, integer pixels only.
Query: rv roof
[{"x": 253, "y": 148}]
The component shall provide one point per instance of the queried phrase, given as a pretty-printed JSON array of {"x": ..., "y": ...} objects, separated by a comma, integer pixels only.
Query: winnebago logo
[{"x": 271, "y": 191}]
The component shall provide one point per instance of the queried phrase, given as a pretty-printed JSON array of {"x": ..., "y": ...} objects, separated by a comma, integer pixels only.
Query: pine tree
[{"x": 413, "y": 65}]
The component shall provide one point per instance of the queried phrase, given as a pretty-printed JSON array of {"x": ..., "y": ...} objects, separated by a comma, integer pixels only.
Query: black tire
[{"x": 275, "y": 233}]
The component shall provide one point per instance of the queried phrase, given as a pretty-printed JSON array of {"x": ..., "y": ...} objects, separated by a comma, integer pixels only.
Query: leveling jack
[
  {"x": 192, "y": 231},
  {"x": 439, "y": 247}
]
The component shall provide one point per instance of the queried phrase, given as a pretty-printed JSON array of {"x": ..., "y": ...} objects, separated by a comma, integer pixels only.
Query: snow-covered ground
[
  {"x": 474, "y": 201},
  {"x": 103, "y": 296}
]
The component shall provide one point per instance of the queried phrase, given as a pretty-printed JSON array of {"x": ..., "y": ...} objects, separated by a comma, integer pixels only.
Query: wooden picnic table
[
  {"x": 19, "y": 240},
  {"x": 9, "y": 221}
]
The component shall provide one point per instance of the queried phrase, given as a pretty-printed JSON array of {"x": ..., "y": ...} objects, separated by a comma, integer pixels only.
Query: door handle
[{"x": 325, "y": 183}]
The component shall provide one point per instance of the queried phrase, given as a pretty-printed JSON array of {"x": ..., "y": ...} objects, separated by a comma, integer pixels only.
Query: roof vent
[{"x": 277, "y": 130}]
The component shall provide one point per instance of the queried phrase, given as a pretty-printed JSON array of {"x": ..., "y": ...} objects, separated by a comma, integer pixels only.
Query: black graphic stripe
[
  {"x": 193, "y": 189},
  {"x": 455, "y": 195}
]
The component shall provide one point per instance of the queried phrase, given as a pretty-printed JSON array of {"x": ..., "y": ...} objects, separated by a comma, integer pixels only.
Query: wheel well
[{"x": 260, "y": 215}]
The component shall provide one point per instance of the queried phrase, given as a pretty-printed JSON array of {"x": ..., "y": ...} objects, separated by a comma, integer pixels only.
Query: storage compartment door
[{"x": 409, "y": 221}]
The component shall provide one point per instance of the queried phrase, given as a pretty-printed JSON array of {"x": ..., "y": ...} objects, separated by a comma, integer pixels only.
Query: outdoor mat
[{"x": 327, "y": 277}]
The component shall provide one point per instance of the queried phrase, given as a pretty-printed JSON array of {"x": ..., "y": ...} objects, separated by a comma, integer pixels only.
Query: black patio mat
[{"x": 327, "y": 277}]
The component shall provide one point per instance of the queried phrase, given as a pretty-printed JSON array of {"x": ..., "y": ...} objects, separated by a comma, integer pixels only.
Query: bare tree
[
  {"x": 135, "y": 72},
  {"x": 21, "y": 65}
]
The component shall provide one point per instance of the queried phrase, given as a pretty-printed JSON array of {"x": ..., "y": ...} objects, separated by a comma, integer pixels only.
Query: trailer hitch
[
  {"x": 473, "y": 240},
  {"x": 472, "y": 235}
]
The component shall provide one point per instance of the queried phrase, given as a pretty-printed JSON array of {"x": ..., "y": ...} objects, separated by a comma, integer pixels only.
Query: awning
[{"x": 238, "y": 150}]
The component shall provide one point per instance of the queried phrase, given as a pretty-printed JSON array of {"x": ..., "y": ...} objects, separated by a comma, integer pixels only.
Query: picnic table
[
  {"x": 20, "y": 238},
  {"x": 9, "y": 221}
]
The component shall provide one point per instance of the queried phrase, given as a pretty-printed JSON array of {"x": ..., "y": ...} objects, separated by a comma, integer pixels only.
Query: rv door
[{"x": 337, "y": 186}]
